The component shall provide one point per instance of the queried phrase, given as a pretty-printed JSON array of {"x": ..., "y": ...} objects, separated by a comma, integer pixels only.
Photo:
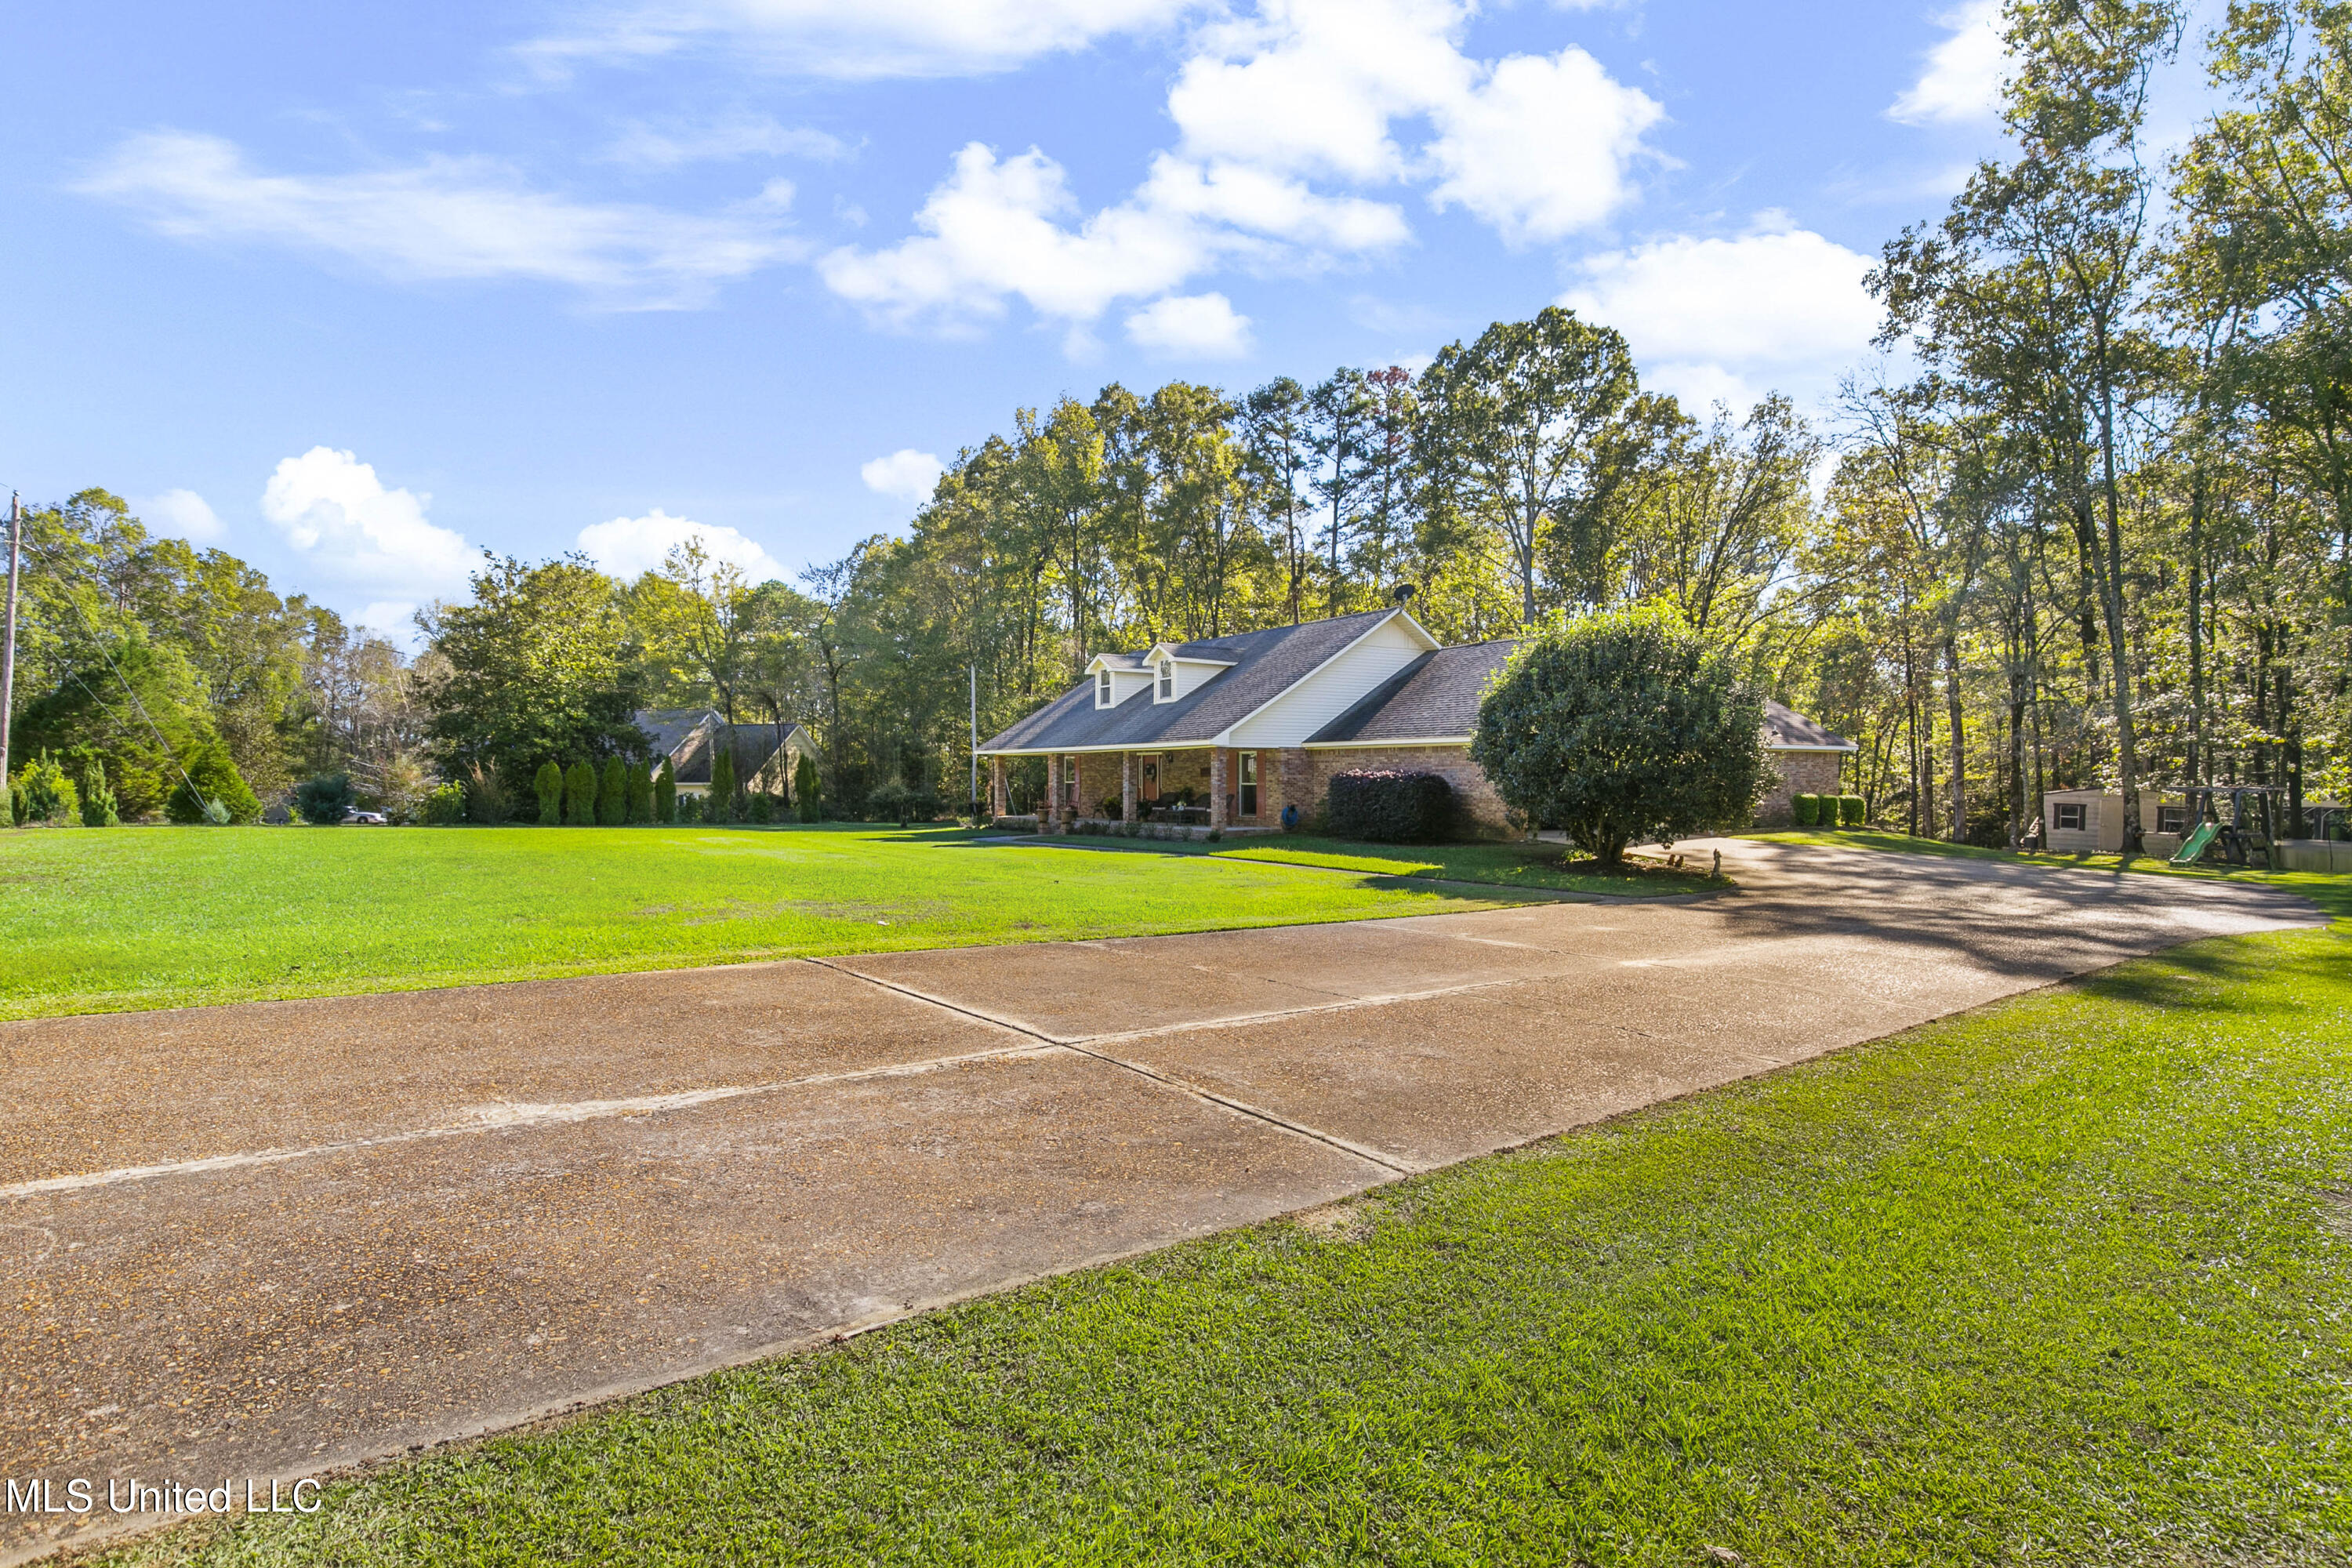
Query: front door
[{"x": 1152, "y": 778}]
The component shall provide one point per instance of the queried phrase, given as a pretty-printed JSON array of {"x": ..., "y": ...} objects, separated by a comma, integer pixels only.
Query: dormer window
[
  {"x": 1167, "y": 681},
  {"x": 1102, "y": 689}
]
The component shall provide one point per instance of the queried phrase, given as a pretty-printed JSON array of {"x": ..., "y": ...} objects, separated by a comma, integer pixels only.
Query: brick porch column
[
  {"x": 1127, "y": 786},
  {"x": 1053, "y": 823},
  {"x": 1219, "y": 774},
  {"x": 998, "y": 805}
]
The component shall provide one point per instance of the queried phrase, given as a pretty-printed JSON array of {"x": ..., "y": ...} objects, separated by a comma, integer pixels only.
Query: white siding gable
[{"x": 1331, "y": 690}]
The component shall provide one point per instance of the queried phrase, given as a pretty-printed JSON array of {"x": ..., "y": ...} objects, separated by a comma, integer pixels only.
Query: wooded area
[{"x": 2089, "y": 520}]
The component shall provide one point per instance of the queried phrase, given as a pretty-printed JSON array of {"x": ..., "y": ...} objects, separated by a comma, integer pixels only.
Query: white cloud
[
  {"x": 1542, "y": 148},
  {"x": 1777, "y": 309},
  {"x": 856, "y": 40},
  {"x": 627, "y": 547},
  {"x": 183, "y": 514},
  {"x": 991, "y": 231},
  {"x": 1197, "y": 326},
  {"x": 907, "y": 473},
  {"x": 1962, "y": 80},
  {"x": 445, "y": 218},
  {"x": 666, "y": 146},
  {"x": 335, "y": 514},
  {"x": 1306, "y": 91}
]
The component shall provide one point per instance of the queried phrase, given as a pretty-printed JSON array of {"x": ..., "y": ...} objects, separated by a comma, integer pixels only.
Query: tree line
[{"x": 2088, "y": 521}]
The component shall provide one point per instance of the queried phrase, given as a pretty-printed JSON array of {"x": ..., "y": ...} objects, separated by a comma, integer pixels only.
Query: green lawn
[
  {"x": 2066, "y": 1281},
  {"x": 1508, "y": 865},
  {"x": 99, "y": 922}
]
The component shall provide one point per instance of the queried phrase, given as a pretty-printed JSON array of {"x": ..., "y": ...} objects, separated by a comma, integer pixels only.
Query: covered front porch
[{"x": 1198, "y": 789}]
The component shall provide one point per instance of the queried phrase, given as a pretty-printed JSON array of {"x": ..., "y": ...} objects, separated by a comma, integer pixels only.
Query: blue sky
[{"x": 356, "y": 292}]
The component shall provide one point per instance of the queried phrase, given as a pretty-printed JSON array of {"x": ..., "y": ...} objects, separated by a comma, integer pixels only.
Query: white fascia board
[
  {"x": 1140, "y": 747},
  {"x": 1161, "y": 651},
  {"x": 1225, "y": 736},
  {"x": 1382, "y": 746},
  {"x": 1847, "y": 749}
]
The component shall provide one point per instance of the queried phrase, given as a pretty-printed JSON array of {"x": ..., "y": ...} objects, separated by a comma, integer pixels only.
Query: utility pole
[
  {"x": 972, "y": 669},
  {"x": 8, "y": 638}
]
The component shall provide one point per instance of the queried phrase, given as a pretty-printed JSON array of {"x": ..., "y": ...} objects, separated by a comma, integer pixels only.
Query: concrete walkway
[{"x": 266, "y": 1240}]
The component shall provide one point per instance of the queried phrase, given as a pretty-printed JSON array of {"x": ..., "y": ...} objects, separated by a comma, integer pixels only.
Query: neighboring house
[
  {"x": 1252, "y": 724},
  {"x": 1808, "y": 758},
  {"x": 765, "y": 754}
]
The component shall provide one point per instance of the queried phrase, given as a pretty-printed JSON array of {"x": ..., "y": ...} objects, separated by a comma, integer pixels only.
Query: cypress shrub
[
  {"x": 580, "y": 795},
  {"x": 1388, "y": 807},
  {"x": 806, "y": 789},
  {"x": 763, "y": 808},
  {"x": 97, "y": 802},
  {"x": 665, "y": 794},
  {"x": 548, "y": 785},
  {"x": 721, "y": 805},
  {"x": 640, "y": 796},
  {"x": 1808, "y": 809},
  {"x": 613, "y": 793},
  {"x": 689, "y": 808}
]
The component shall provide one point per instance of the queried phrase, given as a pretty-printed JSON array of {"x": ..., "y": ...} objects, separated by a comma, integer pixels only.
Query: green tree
[
  {"x": 1526, "y": 435},
  {"x": 639, "y": 795},
  {"x": 212, "y": 791},
  {"x": 613, "y": 793},
  {"x": 721, "y": 805},
  {"x": 580, "y": 795},
  {"x": 98, "y": 807},
  {"x": 665, "y": 794},
  {"x": 539, "y": 664},
  {"x": 548, "y": 785},
  {"x": 322, "y": 801},
  {"x": 1623, "y": 727},
  {"x": 48, "y": 794},
  {"x": 806, "y": 790}
]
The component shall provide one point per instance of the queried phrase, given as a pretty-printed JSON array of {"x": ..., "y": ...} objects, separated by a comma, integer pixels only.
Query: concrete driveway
[{"x": 267, "y": 1240}]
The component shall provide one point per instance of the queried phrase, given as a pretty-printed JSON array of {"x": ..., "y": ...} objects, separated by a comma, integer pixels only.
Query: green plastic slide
[{"x": 2194, "y": 845}]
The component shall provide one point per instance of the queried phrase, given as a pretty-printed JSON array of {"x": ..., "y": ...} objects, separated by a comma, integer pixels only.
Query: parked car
[{"x": 354, "y": 816}]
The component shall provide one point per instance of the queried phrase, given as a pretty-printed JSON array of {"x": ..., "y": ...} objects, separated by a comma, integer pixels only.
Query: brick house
[{"x": 1254, "y": 726}]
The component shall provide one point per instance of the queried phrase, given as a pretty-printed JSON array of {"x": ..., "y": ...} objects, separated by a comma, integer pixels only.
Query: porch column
[
  {"x": 1053, "y": 823},
  {"x": 1220, "y": 780},
  {"x": 1127, "y": 786},
  {"x": 998, "y": 805}
]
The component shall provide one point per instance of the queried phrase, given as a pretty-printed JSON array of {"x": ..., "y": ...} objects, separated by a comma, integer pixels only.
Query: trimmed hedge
[
  {"x": 1390, "y": 806},
  {"x": 548, "y": 785},
  {"x": 1808, "y": 809},
  {"x": 1851, "y": 811},
  {"x": 580, "y": 795}
]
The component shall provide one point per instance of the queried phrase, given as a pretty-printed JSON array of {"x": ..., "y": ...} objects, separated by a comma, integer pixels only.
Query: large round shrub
[
  {"x": 221, "y": 793},
  {"x": 322, "y": 801},
  {"x": 1623, "y": 728}
]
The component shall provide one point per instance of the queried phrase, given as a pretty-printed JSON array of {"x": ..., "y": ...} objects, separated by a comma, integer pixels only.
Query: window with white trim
[
  {"x": 1167, "y": 681},
  {"x": 1249, "y": 783},
  {"x": 2072, "y": 815},
  {"x": 1102, "y": 689}
]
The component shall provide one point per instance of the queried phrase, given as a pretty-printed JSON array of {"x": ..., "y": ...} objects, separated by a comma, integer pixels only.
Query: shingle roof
[
  {"x": 753, "y": 745},
  {"x": 666, "y": 728},
  {"x": 1785, "y": 730},
  {"x": 1433, "y": 697},
  {"x": 1265, "y": 664}
]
